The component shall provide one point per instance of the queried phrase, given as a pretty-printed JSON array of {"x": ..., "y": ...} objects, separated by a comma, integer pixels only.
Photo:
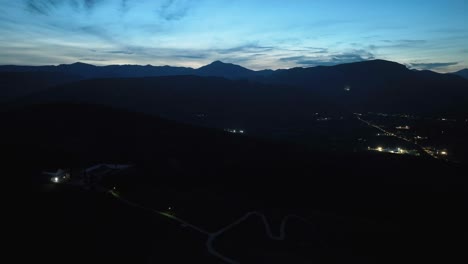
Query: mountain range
[
  {"x": 216, "y": 68},
  {"x": 87, "y": 71},
  {"x": 231, "y": 92}
]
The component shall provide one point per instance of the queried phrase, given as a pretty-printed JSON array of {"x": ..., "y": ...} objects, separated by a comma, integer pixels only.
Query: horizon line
[{"x": 408, "y": 66}]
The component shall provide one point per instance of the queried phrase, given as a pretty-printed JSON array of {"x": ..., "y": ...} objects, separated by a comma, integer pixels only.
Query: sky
[{"x": 263, "y": 34}]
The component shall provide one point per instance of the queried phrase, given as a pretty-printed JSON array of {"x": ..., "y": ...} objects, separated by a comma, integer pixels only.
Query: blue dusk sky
[{"x": 263, "y": 34}]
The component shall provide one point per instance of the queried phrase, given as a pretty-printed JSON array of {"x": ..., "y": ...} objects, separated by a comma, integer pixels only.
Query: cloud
[
  {"x": 310, "y": 50},
  {"x": 97, "y": 31},
  {"x": 402, "y": 43},
  {"x": 432, "y": 65},
  {"x": 124, "y": 6},
  {"x": 411, "y": 41},
  {"x": 332, "y": 59},
  {"x": 125, "y": 52},
  {"x": 42, "y": 7},
  {"x": 92, "y": 59},
  {"x": 173, "y": 10},
  {"x": 352, "y": 57},
  {"x": 247, "y": 48},
  {"x": 191, "y": 56},
  {"x": 46, "y": 7}
]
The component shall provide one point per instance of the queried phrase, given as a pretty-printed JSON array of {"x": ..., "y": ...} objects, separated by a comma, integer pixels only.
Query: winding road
[{"x": 213, "y": 235}]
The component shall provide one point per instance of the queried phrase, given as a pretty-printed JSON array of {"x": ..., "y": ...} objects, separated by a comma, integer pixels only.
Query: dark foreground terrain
[{"x": 360, "y": 207}]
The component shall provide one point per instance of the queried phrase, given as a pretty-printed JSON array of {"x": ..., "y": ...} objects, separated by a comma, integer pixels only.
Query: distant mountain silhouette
[
  {"x": 378, "y": 85},
  {"x": 228, "y": 70},
  {"x": 87, "y": 71},
  {"x": 17, "y": 84},
  {"x": 463, "y": 73}
]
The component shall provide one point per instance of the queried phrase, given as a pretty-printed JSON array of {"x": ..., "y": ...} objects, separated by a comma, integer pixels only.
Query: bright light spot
[
  {"x": 241, "y": 131},
  {"x": 169, "y": 208},
  {"x": 443, "y": 153},
  {"x": 403, "y": 127},
  {"x": 55, "y": 179},
  {"x": 380, "y": 149}
]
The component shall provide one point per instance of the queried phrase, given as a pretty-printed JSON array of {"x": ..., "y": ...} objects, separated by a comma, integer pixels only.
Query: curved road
[{"x": 213, "y": 235}]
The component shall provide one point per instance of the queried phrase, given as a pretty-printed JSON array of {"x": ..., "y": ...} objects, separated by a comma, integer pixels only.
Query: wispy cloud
[
  {"x": 402, "y": 43},
  {"x": 332, "y": 59},
  {"x": 432, "y": 65},
  {"x": 125, "y": 52},
  {"x": 173, "y": 10},
  {"x": 247, "y": 48},
  {"x": 45, "y": 7},
  {"x": 42, "y": 7}
]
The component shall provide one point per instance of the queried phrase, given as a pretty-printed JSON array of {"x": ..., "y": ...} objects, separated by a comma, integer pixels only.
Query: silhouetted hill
[
  {"x": 295, "y": 94},
  {"x": 463, "y": 73},
  {"x": 87, "y": 71},
  {"x": 226, "y": 103},
  {"x": 228, "y": 70},
  {"x": 375, "y": 206},
  {"x": 381, "y": 86},
  {"x": 17, "y": 84},
  {"x": 377, "y": 86},
  {"x": 96, "y": 133}
]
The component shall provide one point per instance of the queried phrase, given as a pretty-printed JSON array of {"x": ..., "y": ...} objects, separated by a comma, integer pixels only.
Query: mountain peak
[
  {"x": 227, "y": 70},
  {"x": 76, "y": 64},
  {"x": 219, "y": 63},
  {"x": 378, "y": 65}
]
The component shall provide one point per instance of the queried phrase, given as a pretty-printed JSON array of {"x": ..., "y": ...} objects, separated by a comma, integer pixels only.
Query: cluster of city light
[
  {"x": 403, "y": 127},
  {"x": 390, "y": 150},
  {"x": 60, "y": 179},
  {"x": 419, "y": 137},
  {"x": 234, "y": 131},
  {"x": 383, "y": 134},
  {"x": 436, "y": 152}
]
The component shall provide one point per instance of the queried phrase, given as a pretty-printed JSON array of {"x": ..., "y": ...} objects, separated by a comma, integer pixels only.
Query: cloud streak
[
  {"x": 432, "y": 65},
  {"x": 173, "y": 10},
  {"x": 46, "y": 7},
  {"x": 332, "y": 59}
]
